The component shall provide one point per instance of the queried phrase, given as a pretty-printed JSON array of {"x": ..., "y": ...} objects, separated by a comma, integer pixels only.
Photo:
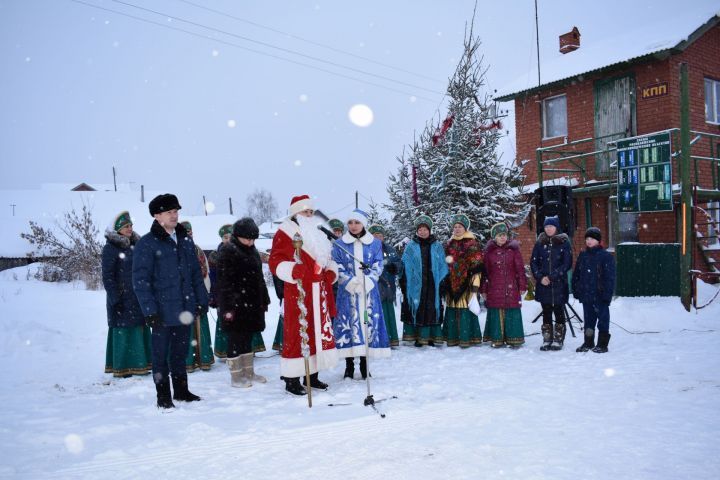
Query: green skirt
[
  {"x": 221, "y": 342},
  {"x": 277, "y": 341},
  {"x": 258, "y": 344},
  {"x": 422, "y": 335},
  {"x": 129, "y": 351},
  {"x": 504, "y": 326},
  {"x": 206, "y": 353},
  {"x": 461, "y": 327},
  {"x": 388, "y": 309}
]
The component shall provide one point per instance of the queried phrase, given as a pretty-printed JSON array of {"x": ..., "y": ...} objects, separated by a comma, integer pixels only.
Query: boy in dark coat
[
  {"x": 243, "y": 299},
  {"x": 593, "y": 284},
  {"x": 170, "y": 289},
  {"x": 550, "y": 263}
]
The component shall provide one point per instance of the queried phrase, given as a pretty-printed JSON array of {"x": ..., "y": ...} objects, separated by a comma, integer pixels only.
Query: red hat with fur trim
[{"x": 300, "y": 203}]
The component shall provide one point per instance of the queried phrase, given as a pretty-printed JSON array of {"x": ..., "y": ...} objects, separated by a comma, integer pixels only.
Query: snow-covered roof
[
  {"x": 530, "y": 188},
  {"x": 643, "y": 41},
  {"x": 48, "y": 205}
]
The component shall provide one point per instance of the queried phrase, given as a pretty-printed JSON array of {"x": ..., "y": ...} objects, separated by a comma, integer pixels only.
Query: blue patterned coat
[
  {"x": 349, "y": 336},
  {"x": 415, "y": 276}
]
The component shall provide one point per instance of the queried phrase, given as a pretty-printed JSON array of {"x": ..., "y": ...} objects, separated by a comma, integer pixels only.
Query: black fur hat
[
  {"x": 246, "y": 228},
  {"x": 164, "y": 203}
]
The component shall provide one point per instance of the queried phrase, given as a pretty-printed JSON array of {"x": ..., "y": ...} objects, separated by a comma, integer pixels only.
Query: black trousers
[
  {"x": 169, "y": 349},
  {"x": 239, "y": 343},
  {"x": 548, "y": 310}
]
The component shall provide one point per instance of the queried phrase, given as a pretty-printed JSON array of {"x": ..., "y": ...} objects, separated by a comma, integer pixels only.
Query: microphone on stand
[{"x": 330, "y": 235}]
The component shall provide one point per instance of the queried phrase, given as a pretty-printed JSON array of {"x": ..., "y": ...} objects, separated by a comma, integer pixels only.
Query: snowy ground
[{"x": 648, "y": 409}]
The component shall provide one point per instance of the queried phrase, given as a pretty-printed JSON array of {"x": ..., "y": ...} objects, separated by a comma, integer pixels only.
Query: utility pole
[
  {"x": 13, "y": 208},
  {"x": 356, "y": 199},
  {"x": 114, "y": 179},
  {"x": 230, "y": 201},
  {"x": 685, "y": 191},
  {"x": 142, "y": 193},
  {"x": 204, "y": 205}
]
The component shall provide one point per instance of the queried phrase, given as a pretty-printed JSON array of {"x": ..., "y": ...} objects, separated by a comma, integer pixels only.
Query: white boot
[
  {"x": 246, "y": 360},
  {"x": 237, "y": 373}
]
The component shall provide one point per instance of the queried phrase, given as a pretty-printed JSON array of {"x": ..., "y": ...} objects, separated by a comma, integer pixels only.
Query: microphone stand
[{"x": 364, "y": 266}]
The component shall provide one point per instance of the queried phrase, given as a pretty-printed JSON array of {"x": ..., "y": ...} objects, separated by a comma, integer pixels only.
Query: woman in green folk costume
[
  {"x": 221, "y": 341},
  {"x": 207, "y": 358},
  {"x": 129, "y": 350},
  {"x": 461, "y": 326},
  {"x": 502, "y": 287},
  {"x": 424, "y": 268}
]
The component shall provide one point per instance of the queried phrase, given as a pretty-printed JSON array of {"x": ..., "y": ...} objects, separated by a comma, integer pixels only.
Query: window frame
[
  {"x": 544, "y": 117},
  {"x": 714, "y": 102}
]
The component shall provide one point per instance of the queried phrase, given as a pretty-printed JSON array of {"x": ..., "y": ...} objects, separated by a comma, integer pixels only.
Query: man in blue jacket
[{"x": 170, "y": 289}]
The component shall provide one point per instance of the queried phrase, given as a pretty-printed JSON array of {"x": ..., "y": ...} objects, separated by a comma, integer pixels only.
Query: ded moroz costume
[{"x": 307, "y": 274}]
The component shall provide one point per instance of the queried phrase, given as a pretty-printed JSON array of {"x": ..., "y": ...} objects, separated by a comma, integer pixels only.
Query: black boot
[
  {"x": 547, "y": 335},
  {"x": 315, "y": 382},
  {"x": 181, "y": 392},
  {"x": 559, "y": 338},
  {"x": 589, "y": 341},
  {"x": 349, "y": 368},
  {"x": 603, "y": 340},
  {"x": 292, "y": 385},
  {"x": 163, "y": 394},
  {"x": 363, "y": 368}
]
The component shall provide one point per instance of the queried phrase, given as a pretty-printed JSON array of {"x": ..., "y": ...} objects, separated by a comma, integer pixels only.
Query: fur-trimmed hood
[
  {"x": 558, "y": 239},
  {"x": 512, "y": 245},
  {"x": 121, "y": 241}
]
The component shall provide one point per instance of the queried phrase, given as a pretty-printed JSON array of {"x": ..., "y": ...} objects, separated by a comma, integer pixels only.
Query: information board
[{"x": 644, "y": 173}]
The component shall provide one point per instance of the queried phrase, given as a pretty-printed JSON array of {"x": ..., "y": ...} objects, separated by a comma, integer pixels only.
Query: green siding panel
[{"x": 648, "y": 269}]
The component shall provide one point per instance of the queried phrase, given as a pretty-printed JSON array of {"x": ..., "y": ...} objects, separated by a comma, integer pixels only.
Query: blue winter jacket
[
  {"x": 393, "y": 267},
  {"x": 123, "y": 309},
  {"x": 166, "y": 275},
  {"x": 593, "y": 279},
  {"x": 552, "y": 258}
]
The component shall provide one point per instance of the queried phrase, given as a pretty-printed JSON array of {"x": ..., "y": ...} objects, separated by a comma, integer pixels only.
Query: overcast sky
[{"x": 84, "y": 89}]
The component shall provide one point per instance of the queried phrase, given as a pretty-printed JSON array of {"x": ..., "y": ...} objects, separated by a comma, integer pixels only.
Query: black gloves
[{"x": 153, "y": 321}]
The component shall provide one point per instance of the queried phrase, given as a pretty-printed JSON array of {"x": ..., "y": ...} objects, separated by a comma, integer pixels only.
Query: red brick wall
[{"x": 652, "y": 114}]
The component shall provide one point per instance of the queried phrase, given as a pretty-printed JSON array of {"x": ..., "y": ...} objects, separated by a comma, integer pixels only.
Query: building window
[
  {"x": 588, "y": 213},
  {"x": 554, "y": 115},
  {"x": 712, "y": 101}
]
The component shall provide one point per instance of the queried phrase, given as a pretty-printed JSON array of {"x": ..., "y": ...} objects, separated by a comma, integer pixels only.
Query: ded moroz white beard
[{"x": 314, "y": 241}]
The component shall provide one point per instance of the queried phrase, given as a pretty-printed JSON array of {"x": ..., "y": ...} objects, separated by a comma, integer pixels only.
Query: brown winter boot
[
  {"x": 547, "y": 334},
  {"x": 559, "y": 336}
]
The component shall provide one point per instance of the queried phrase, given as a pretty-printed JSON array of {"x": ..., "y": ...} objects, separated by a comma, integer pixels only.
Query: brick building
[{"x": 595, "y": 95}]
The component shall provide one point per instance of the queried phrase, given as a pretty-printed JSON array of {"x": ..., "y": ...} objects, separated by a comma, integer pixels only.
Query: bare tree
[
  {"x": 74, "y": 255},
  {"x": 261, "y": 206}
]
